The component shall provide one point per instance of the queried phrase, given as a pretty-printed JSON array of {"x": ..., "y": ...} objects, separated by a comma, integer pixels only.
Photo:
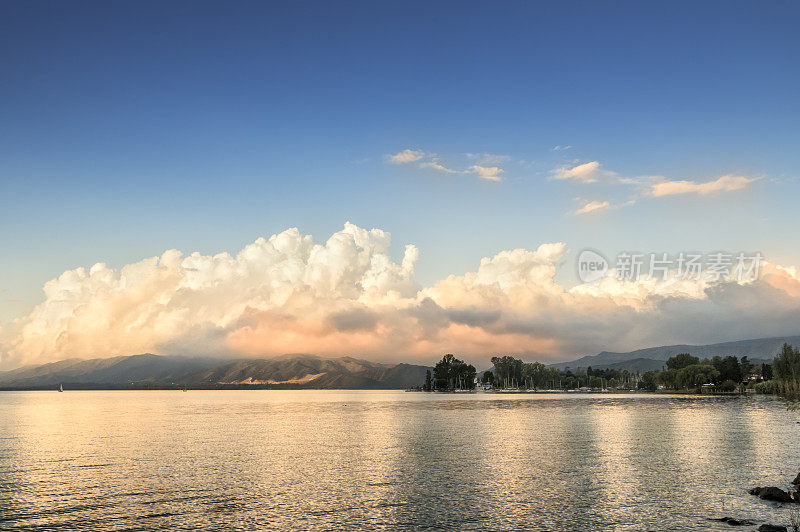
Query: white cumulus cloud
[{"x": 349, "y": 296}]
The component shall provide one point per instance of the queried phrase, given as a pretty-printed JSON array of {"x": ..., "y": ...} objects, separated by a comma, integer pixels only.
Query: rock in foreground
[
  {"x": 733, "y": 521},
  {"x": 771, "y": 493},
  {"x": 772, "y": 528}
]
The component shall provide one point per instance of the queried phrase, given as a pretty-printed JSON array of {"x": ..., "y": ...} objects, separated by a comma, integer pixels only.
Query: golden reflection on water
[
  {"x": 613, "y": 442},
  {"x": 307, "y": 459}
]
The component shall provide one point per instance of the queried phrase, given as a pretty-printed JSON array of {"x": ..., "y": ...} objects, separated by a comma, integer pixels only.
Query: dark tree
[
  {"x": 441, "y": 373},
  {"x": 463, "y": 375},
  {"x": 648, "y": 381},
  {"x": 787, "y": 372},
  {"x": 766, "y": 371},
  {"x": 747, "y": 369},
  {"x": 451, "y": 373},
  {"x": 508, "y": 371},
  {"x": 695, "y": 375},
  {"x": 534, "y": 375},
  {"x": 729, "y": 369},
  {"x": 681, "y": 361},
  {"x": 669, "y": 378},
  {"x": 787, "y": 363}
]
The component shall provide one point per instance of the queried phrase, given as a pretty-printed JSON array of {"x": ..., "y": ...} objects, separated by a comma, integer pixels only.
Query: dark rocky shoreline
[
  {"x": 770, "y": 493},
  {"x": 774, "y": 493}
]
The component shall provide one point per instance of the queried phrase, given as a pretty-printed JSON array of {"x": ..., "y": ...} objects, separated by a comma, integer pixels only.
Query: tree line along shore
[{"x": 681, "y": 373}]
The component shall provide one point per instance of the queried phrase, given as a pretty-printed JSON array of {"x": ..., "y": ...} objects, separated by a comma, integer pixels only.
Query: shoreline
[{"x": 68, "y": 387}]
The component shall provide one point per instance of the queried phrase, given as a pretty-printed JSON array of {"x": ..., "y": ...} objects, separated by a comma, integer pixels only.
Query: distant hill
[
  {"x": 758, "y": 350},
  {"x": 154, "y": 371},
  {"x": 314, "y": 372},
  {"x": 308, "y": 371},
  {"x": 121, "y": 370}
]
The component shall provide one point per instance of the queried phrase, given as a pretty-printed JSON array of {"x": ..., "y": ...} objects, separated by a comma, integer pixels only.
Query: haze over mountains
[
  {"x": 757, "y": 350},
  {"x": 313, "y": 372}
]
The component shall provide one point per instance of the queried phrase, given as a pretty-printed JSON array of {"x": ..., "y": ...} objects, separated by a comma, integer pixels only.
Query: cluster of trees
[
  {"x": 682, "y": 371},
  {"x": 782, "y": 377},
  {"x": 450, "y": 374},
  {"x": 685, "y": 371},
  {"x": 510, "y": 372}
]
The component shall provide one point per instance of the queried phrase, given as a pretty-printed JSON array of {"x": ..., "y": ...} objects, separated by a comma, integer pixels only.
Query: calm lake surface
[{"x": 383, "y": 459}]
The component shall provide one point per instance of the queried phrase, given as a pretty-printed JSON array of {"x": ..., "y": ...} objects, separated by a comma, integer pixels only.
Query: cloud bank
[{"x": 348, "y": 296}]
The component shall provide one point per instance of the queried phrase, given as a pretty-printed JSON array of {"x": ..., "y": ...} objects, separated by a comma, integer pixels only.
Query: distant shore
[
  {"x": 228, "y": 387},
  {"x": 138, "y": 387}
]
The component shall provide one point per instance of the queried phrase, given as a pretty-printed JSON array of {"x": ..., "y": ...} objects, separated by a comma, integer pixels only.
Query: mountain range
[
  {"x": 155, "y": 371},
  {"x": 314, "y": 372},
  {"x": 651, "y": 358}
]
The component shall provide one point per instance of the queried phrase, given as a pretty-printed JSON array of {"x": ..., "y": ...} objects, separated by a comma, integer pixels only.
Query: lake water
[{"x": 255, "y": 460}]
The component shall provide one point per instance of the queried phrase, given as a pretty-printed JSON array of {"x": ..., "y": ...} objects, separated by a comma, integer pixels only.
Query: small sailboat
[{"x": 60, "y": 387}]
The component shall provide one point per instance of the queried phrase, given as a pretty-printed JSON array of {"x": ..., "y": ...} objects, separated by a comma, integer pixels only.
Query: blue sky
[{"x": 129, "y": 128}]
